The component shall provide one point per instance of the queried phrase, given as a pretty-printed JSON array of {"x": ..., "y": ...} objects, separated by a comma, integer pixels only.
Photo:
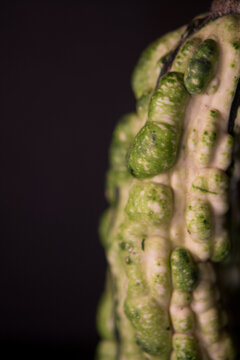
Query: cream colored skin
[
  {"x": 183, "y": 174},
  {"x": 197, "y": 314},
  {"x": 185, "y": 170}
]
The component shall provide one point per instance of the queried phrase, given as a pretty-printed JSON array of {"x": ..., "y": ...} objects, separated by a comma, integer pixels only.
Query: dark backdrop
[{"x": 65, "y": 80}]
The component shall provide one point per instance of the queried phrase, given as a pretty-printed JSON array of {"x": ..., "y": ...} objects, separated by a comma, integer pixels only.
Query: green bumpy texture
[
  {"x": 152, "y": 330},
  {"x": 199, "y": 220},
  {"x": 154, "y": 148},
  {"x": 201, "y": 67},
  {"x": 174, "y": 169},
  {"x": 150, "y": 203},
  {"x": 184, "y": 271}
]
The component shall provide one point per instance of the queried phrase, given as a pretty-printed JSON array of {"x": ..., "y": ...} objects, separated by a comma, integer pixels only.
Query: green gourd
[{"x": 171, "y": 232}]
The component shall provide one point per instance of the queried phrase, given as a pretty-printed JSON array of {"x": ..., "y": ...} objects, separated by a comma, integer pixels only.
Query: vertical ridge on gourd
[
  {"x": 184, "y": 278},
  {"x": 154, "y": 148},
  {"x": 207, "y": 139},
  {"x": 169, "y": 185},
  {"x": 149, "y": 286}
]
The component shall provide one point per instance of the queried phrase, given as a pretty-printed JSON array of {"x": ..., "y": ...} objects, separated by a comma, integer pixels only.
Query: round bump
[
  {"x": 199, "y": 220},
  {"x": 151, "y": 322},
  {"x": 221, "y": 247},
  {"x": 183, "y": 57},
  {"x": 169, "y": 101},
  {"x": 153, "y": 150},
  {"x": 150, "y": 203},
  {"x": 200, "y": 69},
  {"x": 186, "y": 347},
  {"x": 184, "y": 271}
]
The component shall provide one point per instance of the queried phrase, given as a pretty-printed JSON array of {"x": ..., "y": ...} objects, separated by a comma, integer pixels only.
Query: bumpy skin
[{"x": 169, "y": 185}]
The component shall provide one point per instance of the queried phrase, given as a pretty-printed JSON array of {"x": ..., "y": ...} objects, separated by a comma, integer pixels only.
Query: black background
[{"x": 65, "y": 81}]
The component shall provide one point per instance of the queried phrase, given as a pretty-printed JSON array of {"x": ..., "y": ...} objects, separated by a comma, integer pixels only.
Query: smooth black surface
[{"x": 65, "y": 80}]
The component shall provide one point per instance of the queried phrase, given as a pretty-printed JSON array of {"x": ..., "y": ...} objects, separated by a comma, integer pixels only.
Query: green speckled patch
[
  {"x": 221, "y": 247},
  {"x": 214, "y": 114},
  {"x": 207, "y": 138},
  {"x": 153, "y": 150},
  {"x": 169, "y": 100},
  {"x": 199, "y": 220},
  {"x": 151, "y": 203},
  {"x": 153, "y": 332},
  {"x": 182, "y": 319},
  {"x": 184, "y": 271},
  {"x": 236, "y": 44},
  {"x": 217, "y": 181},
  {"x": 201, "y": 66},
  {"x": 183, "y": 57},
  {"x": 186, "y": 347}
]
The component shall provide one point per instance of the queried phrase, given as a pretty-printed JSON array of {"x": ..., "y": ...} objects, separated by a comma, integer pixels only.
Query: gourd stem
[
  {"x": 224, "y": 7},
  {"x": 218, "y": 8}
]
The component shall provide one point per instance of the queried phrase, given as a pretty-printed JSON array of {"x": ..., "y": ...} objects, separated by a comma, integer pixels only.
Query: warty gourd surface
[{"x": 171, "y": 232}]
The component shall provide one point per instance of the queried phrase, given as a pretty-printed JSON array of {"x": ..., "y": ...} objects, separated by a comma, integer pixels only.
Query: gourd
[{"x": 173, "y": 213}]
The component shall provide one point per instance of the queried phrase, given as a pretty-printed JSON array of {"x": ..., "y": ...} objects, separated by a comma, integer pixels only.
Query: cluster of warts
[{"x": 167, "y": 221}]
